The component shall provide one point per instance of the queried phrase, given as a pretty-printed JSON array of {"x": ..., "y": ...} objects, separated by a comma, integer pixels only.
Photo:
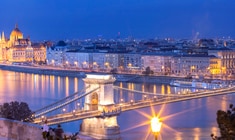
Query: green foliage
[
  {"x": 147, "y": 71},
  {"x": 226, "y": 124},
  {"x": 114, "y": 71},
  {"x": 16, "y": 111}
]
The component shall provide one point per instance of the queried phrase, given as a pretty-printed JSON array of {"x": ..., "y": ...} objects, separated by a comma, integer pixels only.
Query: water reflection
[{"x": 187, "y": 120}]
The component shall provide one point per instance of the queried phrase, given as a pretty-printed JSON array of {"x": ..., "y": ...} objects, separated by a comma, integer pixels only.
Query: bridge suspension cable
[
  {"x": 63, "y": 102},
  {"x": 146, "y": 93},
  {"x": 72, "y": 116}
]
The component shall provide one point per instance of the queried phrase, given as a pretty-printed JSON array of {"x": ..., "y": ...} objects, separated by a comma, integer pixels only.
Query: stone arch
[{"x": 94, "y": 101}]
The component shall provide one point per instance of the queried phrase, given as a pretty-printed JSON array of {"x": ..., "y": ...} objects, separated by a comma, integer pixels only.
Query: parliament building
[{"x": 20, "y": 49}]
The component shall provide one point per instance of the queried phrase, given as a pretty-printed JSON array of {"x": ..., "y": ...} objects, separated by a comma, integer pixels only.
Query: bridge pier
[{"x": 103, "y": 127}]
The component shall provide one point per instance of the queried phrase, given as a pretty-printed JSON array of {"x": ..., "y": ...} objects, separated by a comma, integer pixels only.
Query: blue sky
[{"x": 79, "y": 19}]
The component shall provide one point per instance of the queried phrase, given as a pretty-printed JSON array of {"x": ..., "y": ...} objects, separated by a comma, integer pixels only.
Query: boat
[
  {"x": 194, "y": 83},
  {"x": 125, "y": 78}
]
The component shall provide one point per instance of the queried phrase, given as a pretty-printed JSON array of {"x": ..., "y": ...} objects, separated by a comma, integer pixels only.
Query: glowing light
[
  {"x": 103, "y": 77},
  {"x": 156, "y": 125}
]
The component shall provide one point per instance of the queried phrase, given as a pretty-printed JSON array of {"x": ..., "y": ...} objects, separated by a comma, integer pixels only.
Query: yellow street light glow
[{"x": 156, "y": 125}]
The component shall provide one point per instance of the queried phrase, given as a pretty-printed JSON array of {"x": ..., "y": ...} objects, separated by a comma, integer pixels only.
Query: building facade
[
  {"x": 195, "y": 65},
  {"x": 20, "y": 49},
  {"x": 227, "y": 58},
  {"x": 158, "y": 63}
]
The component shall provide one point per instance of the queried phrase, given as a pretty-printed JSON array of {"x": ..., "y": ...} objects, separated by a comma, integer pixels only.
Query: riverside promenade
[
  {"x": 45, "y": 70},
  {"x": 59, "y": 71}
]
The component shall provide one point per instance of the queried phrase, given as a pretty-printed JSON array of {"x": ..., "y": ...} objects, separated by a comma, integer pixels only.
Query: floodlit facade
[
  {"x": 191, "y": 65},
  {"x": 20, "y": 49},
  {"x": 227, "y": 58},
  {"x": 158, "y": 63}
]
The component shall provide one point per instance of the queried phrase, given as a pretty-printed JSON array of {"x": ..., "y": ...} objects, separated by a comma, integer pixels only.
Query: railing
[
  {"x": 170, "y": 99},
  {"x": 145, "y": 93}
]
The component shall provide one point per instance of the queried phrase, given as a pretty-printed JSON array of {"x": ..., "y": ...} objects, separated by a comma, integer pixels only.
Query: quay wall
[
  {"x": 74, "y": 73},
  {"x": 17, "y": 130},
  {"x": 44, "y": 71}
]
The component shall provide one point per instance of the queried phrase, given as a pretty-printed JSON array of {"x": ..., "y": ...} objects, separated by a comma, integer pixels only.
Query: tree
[
  {"x": 226, "y": 124},
  {"x": 148, "y": 71},
  {"x": 16, "y": 111},
  {"x": 114, "y": 71}
]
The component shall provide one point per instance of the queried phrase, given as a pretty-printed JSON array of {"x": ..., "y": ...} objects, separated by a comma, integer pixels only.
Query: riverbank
[
  {"x": 46, "y": 70},
  {"x": 43, "y": 70},
  {"x": 17, "y": 130}
]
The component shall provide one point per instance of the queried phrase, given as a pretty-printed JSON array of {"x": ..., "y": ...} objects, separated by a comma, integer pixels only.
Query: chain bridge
[{"x": 98, "y": 103}]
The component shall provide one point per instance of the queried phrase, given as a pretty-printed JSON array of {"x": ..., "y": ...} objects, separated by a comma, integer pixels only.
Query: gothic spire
[{"x": 3, "y": 36}]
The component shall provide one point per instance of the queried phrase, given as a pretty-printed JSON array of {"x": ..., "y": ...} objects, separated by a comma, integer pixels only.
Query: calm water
[{"x": 188, "y": 120}]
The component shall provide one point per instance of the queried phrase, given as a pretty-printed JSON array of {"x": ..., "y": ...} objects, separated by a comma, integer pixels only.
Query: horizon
[{"x": 61, "y": 20}]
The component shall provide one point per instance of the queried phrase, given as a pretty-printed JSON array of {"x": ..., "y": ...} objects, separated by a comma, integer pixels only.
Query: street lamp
[
  {"x": 84, "y": 64},
  {"x": 75, "y": 63},
  {"x": 94, "y": 65},
  {"x": 156, "y": 126},
  {"x": 53, "y": 62},
  {"x": 78, "y": 105}
]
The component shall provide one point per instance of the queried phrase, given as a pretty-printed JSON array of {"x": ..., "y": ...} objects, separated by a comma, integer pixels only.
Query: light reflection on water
[{"x": 187, "y": 120}]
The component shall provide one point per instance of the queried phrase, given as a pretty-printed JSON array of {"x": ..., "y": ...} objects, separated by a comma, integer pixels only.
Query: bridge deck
[{"x": 78, "y": 115}]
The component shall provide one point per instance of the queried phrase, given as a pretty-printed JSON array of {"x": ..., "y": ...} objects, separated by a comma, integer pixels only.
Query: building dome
[{"x": 16, "y": 34}]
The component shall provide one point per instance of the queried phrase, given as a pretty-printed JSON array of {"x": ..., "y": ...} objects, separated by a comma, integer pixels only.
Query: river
[{"x": 187, "y": 120}]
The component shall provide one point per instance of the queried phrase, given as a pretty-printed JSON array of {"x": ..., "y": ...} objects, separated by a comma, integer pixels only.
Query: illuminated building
[
  {"x": 196, "y": 65},
  {"x": 159, "y": 63},
  {"x": 20, "y": 49},
  {"x": 227, "y": 57}
]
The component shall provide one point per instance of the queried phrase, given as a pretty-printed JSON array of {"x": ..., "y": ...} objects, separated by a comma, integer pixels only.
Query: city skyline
[{"x": 56, "y": 20}]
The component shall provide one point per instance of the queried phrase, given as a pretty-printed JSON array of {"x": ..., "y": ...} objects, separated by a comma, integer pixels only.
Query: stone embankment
[
  {"x": 75, "y": 73},
  {"x": 42, "y": 70},
  {"x": 17, "y": 130}
]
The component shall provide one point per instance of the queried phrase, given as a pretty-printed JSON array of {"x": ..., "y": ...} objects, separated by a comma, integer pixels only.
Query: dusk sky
[{"x": 80, "y": 19}]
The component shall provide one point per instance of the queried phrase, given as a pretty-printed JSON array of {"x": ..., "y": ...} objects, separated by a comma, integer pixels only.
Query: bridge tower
[{"x": 105, "y": 127}]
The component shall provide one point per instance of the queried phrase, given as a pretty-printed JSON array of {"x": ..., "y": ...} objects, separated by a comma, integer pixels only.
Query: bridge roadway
[{"x": 118, "y": 108}]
